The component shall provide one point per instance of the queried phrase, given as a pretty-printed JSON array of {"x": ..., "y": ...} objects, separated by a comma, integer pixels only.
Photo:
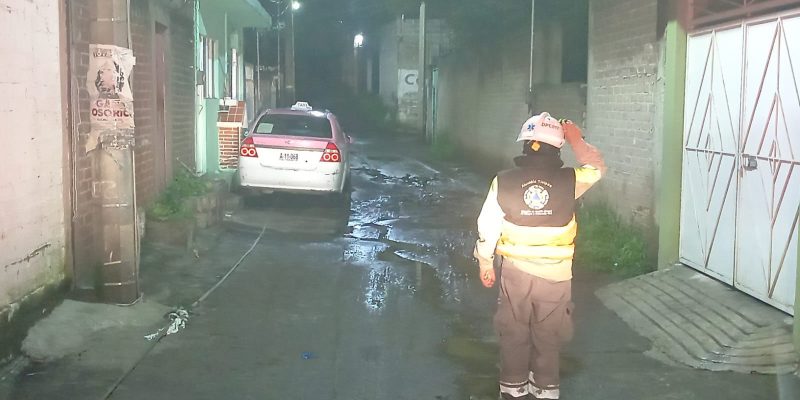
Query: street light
[
  {"x": 293, "y": 5},
  {"x": 358, "y": 40}
]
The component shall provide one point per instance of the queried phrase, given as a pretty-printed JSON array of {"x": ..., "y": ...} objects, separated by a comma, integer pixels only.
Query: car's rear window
[{"x": 294, "y": 125}]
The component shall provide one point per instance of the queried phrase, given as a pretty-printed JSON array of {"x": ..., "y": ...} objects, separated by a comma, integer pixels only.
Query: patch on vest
[{"x": 536, "y": 197}]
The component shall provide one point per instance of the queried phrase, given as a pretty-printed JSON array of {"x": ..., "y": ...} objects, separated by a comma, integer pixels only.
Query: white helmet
[{"x": 542, "y": 128}]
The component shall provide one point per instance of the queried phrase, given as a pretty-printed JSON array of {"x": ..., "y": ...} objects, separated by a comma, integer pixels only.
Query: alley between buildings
[{"x": 374, "y": 299}]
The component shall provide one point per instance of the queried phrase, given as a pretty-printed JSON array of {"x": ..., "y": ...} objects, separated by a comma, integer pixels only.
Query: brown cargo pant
[{"x": 533, "y": 321}]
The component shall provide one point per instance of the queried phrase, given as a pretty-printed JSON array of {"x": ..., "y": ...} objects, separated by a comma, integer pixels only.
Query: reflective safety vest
[
  {"x": 529, "y": 213},
  {"x": 539, "y": 213}
]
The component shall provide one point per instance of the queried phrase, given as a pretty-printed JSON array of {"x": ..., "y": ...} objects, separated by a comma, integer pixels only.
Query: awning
[{"x": 241, "y": 14}]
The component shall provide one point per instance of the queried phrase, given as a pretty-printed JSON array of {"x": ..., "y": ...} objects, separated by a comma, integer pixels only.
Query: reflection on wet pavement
[{"x": 410, "y": 230}]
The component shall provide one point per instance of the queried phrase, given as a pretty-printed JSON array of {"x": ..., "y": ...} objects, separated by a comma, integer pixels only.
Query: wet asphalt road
[
  {"x": 339, "y": 300},
  {"x": 372, "y": 298}
]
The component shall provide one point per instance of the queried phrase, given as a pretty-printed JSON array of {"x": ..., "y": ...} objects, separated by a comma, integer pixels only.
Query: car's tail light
[
  {"x": 331, "y": 154},
  {"x": 248, "y": 148}
]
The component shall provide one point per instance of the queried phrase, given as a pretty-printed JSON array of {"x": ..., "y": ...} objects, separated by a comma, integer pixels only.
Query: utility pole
[
  {"x": 258, "y": 104},
  {"x": 421, "y": 75},
  {"x": 356, "y": 80},
  {"x": 279, "y": 95},
  {"x": 113, "y": 187},
  {"x": 530, "y": 72},
  {"x": 290, "y": 80}
]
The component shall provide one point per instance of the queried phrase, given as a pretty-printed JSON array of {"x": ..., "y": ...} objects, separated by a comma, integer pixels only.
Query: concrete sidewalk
[{"x": 697, "y": 321}]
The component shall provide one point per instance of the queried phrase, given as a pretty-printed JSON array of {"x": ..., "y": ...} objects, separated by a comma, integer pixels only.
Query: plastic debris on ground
[{"x": 178, "y": 319}]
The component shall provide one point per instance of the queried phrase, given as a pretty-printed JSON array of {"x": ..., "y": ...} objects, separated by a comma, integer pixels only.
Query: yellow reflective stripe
[
  {"x": 536, "y": 252},
  {"x": 539, "y": 236},
  {"x": 587, "y": 174},
  {"x": 537, "y": 243}
]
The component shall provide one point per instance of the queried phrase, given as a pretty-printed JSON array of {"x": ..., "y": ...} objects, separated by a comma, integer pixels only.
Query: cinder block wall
[
  {"x": 623, "y": 63},
  {"x": 483, "y": 97},
  {"x": 387, "y": 64},
  {"x": 32, "y": 234},
  {"x": 399, "y": 49},
  {"x": 483, "y": 104}
]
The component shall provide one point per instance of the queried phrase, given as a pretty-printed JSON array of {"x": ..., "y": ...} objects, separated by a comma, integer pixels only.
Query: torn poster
[{"x": 108, "y": 83}]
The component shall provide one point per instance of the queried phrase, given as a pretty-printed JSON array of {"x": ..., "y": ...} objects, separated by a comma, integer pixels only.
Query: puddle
[
  {"x": 377, "y": 175},
  {"x": 479, "y": 359},
  {"x": 367, "y": 232},
  {"x": 363, "y": 252},
  {"x": 418, "y": 278},
  {"x": 470, "y": 350},
  {"x": 375, "y": 295}
]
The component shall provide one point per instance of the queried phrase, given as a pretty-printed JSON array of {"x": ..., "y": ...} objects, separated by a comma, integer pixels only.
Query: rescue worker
[{"x": 529, "y": 220}]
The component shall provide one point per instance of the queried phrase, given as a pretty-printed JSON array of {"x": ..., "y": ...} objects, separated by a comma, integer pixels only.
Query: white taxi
[{"x": 298, "y": 149}]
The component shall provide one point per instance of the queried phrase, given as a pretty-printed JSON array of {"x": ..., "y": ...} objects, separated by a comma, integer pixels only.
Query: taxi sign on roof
[{"x": 301, "y": 106}]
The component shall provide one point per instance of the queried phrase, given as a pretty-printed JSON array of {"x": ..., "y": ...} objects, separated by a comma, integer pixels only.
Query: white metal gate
[{"x": 741, "y": 161}]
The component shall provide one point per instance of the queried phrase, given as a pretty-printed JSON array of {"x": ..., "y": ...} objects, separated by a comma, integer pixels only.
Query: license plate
[{"x": 289, "y": 157}]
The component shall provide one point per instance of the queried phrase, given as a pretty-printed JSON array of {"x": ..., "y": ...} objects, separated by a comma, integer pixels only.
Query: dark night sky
[{"x": 324, "y": 29}]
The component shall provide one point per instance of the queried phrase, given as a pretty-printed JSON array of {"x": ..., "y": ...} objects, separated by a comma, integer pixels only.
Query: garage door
[{"x": 741, "y": 161}]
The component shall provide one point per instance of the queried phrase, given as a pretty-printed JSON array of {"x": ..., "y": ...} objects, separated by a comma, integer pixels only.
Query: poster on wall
[
  {"x": 407, "y": 95},
  {"x": 108, "y": 83},
  {"x": 406, "y": 82}
]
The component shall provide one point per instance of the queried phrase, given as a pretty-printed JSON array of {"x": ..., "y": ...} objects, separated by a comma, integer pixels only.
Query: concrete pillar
[
  {"x": 119, "y": 267},
  {"x": 669, "y": 195}
]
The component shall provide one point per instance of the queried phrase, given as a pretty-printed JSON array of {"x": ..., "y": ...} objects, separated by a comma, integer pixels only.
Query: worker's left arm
[{"x": 490, "y": 224}]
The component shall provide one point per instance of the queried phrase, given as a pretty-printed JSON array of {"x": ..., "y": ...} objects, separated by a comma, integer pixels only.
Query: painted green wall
[
  {"x": 211, "y": 106},
  {"x": 669, "y": 196}
]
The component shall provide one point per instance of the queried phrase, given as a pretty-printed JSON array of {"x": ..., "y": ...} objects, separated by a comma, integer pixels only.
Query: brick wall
[
  {"x": 228, "y": 147},
  {"x": 86, "y": 209},
  {"x": 144, "y": 105},
  {"x": 32, "y": 226},
  {"x": 181, "y": 94},
  {"x": 230, "y": 122},
  {"x": 623, "y": 63}
]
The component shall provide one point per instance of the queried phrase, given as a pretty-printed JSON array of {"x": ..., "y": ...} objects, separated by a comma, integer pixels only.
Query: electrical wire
[{"x": 163, "y": 331}]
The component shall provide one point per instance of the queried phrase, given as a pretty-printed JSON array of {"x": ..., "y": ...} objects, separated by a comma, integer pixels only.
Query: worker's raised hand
[
  {"x": 572, "y": 132},
  {"x": 487, "y": 277}
]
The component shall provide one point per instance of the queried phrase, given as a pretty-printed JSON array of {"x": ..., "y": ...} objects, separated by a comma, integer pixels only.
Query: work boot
[
  {"x": 551, "y": 392},
  {"x": 506, "y": 396},
  {"x": 517, "y": 391}
]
